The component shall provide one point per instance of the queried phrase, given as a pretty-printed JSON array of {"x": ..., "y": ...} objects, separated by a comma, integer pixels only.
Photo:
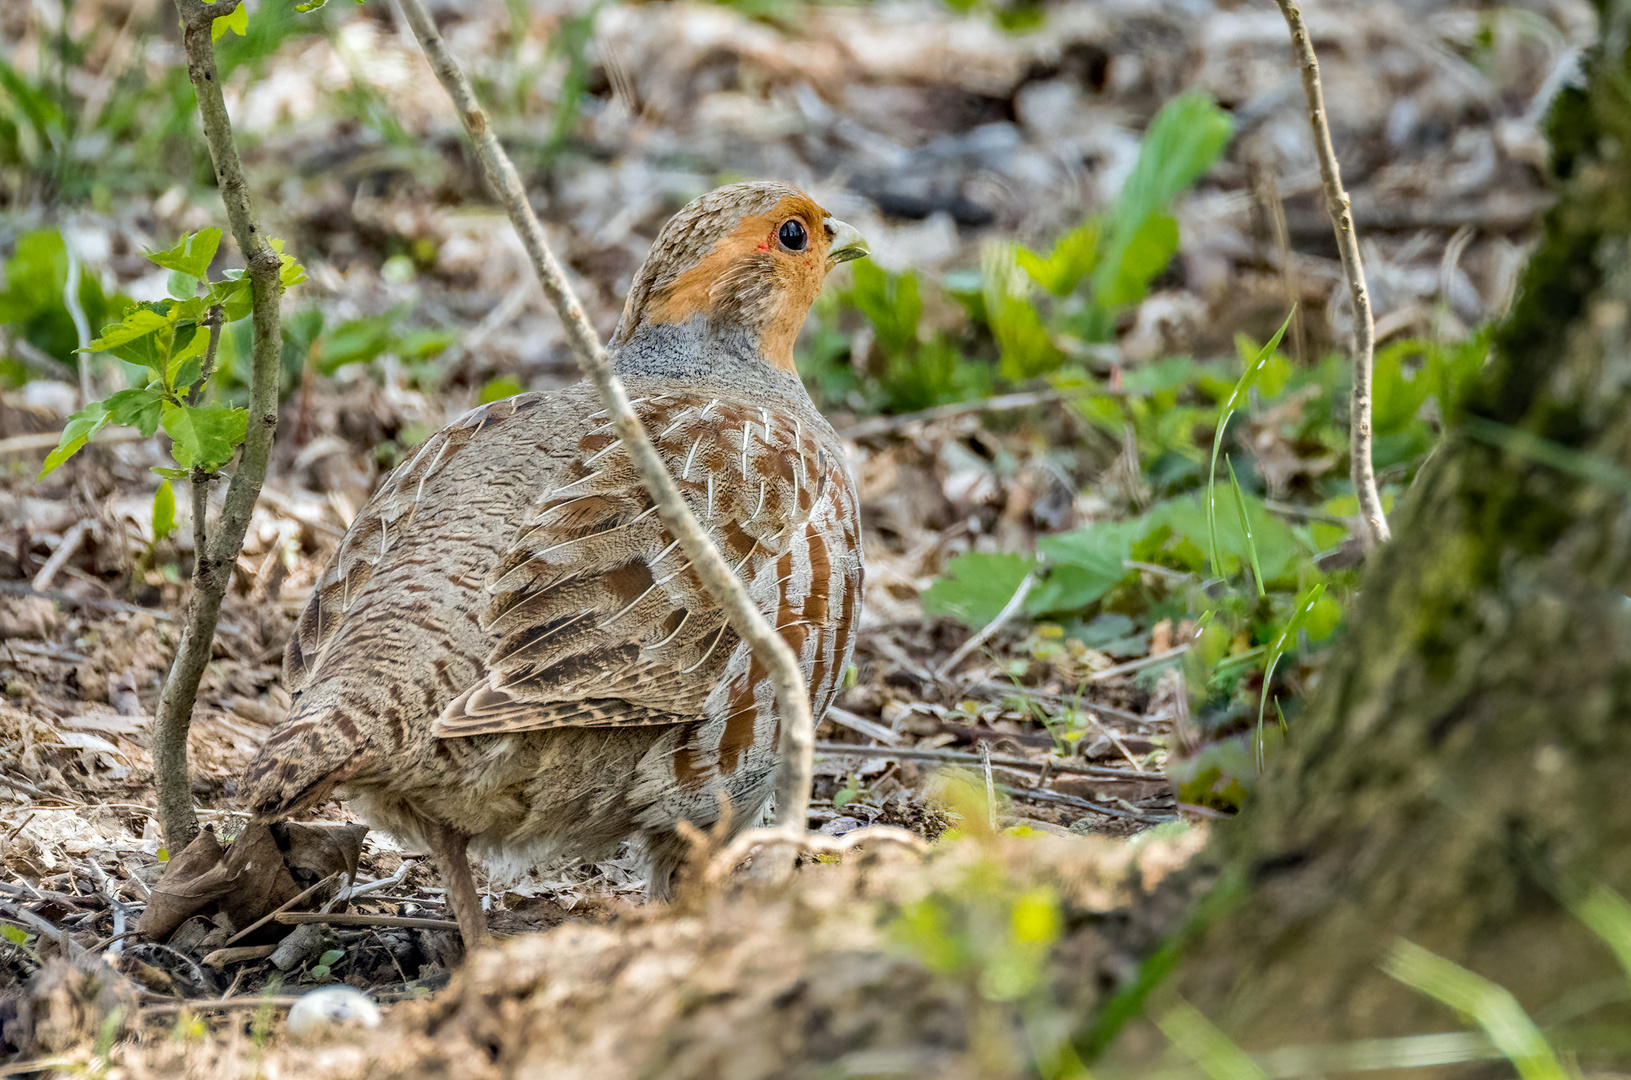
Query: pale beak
[{"x": 846, "y": 242}]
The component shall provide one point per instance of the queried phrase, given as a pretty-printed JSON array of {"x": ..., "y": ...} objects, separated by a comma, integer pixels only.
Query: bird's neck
[{"x": 699, "y": 348}]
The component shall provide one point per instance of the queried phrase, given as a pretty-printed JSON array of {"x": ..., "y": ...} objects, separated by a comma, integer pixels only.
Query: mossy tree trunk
[{"x": 1467, "y": 762}]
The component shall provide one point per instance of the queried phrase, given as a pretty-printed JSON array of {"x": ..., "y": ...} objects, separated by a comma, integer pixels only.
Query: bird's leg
[{"x": 449, "y": 846}]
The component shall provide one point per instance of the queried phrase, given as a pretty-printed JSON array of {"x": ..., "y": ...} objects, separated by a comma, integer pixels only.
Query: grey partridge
[{"x": 510, "y": 656}]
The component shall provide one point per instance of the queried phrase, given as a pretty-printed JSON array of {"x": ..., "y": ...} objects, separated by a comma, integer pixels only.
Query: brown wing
[
  {"x": 599, "y": 617},
  {"x": 372, "y": 534}
]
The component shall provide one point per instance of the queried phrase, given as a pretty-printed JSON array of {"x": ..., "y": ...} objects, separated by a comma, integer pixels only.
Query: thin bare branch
[
  {"x": 1336, "y": 204},
  {"x": 212, "y": 566},
  {"x": 986, "y": 633},
  {"x": 726, "y": 589}
]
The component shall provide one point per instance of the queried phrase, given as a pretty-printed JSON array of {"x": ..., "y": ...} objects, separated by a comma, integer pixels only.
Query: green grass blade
[
  {"x": 1246, "y": 526},
  {"x": 1236, "y": 396},
  {"x": 1293, "y": 625},
  {"x": 1212, "y": 1050},
  {"x": 1607, "y": 914},
  {"x": 1490, "y": 1006}
]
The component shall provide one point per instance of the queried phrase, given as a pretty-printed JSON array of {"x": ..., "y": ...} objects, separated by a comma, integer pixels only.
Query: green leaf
[
  {"x": 353, "y": 341},
  {"x": 502, "y": 387},
  {"x": 1491, "y": 1006},
  {"x": 1245, "y": 525},
  {"x": 204, "y": 435},
  {"x": 237, "y": 22},
  {"x": 173, "y": 474},
  {"x": 186, "y": 357},
  {"x": 1087, "y": 564},
  {"x": 192, "y": 256},
  {"x": 138, "y": 322},
  {"x": 81, "y": 428},
  {"x": 1282, "y": 644},
  {"x": 234, "y": 297},
  {"x": 1144, "y": 255},
  {"x": 1607, "y": 915},
  {"x": 1074, "y": 256},
  {"x": 976, "y": 586},
  {"x": 1236, "y": 396},
  {"x": 292, "y": 273},
  {"x": 181, "y": 286},
  {"x": 164, "y": 512},
  {"x": 1217, "y": 1055},
  {"x": 14, "y": 934},
  {"x": 1181, "y": 144},
  {"x": 137, "y": 408}
]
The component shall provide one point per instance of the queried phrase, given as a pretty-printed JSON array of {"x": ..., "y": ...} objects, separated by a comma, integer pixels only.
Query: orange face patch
[{"x": 795, "y": 277}]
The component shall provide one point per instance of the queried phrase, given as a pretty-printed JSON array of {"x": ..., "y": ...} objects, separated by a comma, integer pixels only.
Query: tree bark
[{"x": 1460, "y": 776}]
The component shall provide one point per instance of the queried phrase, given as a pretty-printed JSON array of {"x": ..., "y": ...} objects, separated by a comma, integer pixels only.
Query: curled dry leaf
[{"x": 265, "y": 867}]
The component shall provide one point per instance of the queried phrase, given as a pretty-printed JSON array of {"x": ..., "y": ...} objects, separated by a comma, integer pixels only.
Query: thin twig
[
  {"x": 232, "y": 1004},
  {"x": 212, "y": 567},
  {"x": 280, "y": 909},
  {"x": 889, "y": 425},
  {"x": 987, "y": 632},
  {"x": 861, "y": 726},
  {"x": 360, "y": 918},
  {"x": 1060, "y": 701},
  {"x": 48, "y": 440},
  {"x": 998, "y": 761},
  {"x": 1337, "y": 205},
  {"x": 724, "y": 587},
  {"x": 815, "y": 843},
  {"x": 1038, "y": 795},
  {"x": 1118, "y": 670},
  {"x": 65, "y": 551},
  {"x": 990, "y": 787},
  {"x": 96, "y": 603}
]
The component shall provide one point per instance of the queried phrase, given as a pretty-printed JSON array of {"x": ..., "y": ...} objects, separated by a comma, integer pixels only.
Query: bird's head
[{"x": 743, "y": 260}]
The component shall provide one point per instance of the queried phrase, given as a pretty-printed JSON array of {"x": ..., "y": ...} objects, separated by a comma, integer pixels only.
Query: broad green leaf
[
  {"x": 502, "y": 387},
  {"x": 1179, "y": 147},
  {"x": 192, "y": 256},
  {"x": 424, "y": 344},
  {"x": 237, "y": 22},
  {"x": 137, "y": 408},
  {"x": 1181, "y": 144},
  {"x": 234, "y": 297},
  {"x": 186, "y": 356},
  {"x": 1140, "y": 258},
  {"x": 138, "y": 322},
  {"x": 976, "y": 586},
  {"x": 1074, "y": 256},
  {"x": 1088, "y": 563},
  {"x": 204, "y": 435},
  {"x": 181, "y": 286},
  {"x": 890, "y": 303},
  {"x": 164, "y": 511},
  {"x": 14, "y": 934},
  {"x": 82, "y": 426},
  {"x": 173, "y": 474},
  {"x": 353, "y": 341}
]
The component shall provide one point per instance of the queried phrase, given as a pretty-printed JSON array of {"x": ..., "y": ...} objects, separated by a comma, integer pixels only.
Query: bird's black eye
[{"x": 792, "y": 235}]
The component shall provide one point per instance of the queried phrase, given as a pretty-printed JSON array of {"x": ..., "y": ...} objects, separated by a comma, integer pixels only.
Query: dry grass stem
[{"x": 726, "y": 589}]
